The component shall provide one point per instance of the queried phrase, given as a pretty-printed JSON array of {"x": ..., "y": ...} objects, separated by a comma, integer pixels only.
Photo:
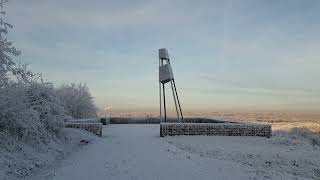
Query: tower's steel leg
[
  {"x": 175, "y": 101},
  {"x": 174, "y": 97},
  {"x": 164, "y": 103},
  {"x": 174, "y": 84},
  {"x": 160, "y": 95}
]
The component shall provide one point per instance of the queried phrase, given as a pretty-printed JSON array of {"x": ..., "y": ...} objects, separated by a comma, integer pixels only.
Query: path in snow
[{"x": 137, "y": 152}]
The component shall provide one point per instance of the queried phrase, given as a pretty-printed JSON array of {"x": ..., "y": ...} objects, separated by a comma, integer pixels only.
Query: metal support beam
[
  {"x": 164, "y": 103},
  {"x": 175, "y": 101},
  {"x": 160, "y": 94},
  {"x": 174, "y": 84}
]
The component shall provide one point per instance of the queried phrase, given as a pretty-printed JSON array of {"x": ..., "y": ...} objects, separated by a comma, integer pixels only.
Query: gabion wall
[
  {"x": 95, "y": 128},
  {"x": 215, "y": 129},
  {"x": 89, "y": 120}
]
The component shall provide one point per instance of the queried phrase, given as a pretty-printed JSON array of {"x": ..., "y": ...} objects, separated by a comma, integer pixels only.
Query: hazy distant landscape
[
  {"x": 272, "y": 117},
  {"x": 280, "y": 120}
]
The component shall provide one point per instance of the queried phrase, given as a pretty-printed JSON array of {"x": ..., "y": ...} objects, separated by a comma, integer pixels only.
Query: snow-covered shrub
[
  {"x": 16, "y": 118},
  {"x": 314, "y": 137},
  {"x": 32, "y": 112},
  {"x": 77, "y": 100},
  {"x": 30, "y": 109},
  {"x": 43, "y": 99}
]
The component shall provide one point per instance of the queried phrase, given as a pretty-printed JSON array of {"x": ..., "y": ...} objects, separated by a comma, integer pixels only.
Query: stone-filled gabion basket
[
  {"x": 215, "y": 129},
  {"x": 95, "y": 128}
]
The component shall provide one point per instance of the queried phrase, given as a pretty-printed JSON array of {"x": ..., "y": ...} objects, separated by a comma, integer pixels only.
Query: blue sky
[{"x": 234, "y": 55}]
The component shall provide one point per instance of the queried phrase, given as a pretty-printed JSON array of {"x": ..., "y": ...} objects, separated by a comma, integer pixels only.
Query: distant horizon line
[{"x": 210, "y": 111}]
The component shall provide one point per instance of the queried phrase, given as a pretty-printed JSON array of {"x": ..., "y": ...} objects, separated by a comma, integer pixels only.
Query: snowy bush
[
  {"x": 314, "y": 137},
  {"x": 44, "y": 100},
  {"x": 77, "y": 100},
  {"x": 30, "y": 112},
  {"x": 15, "y": 115}
]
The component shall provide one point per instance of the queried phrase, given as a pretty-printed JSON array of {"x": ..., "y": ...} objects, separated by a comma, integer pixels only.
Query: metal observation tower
[{"x": 166, "y": 76}]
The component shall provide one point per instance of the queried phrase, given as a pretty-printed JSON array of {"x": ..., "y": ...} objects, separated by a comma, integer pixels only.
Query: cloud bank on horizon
[{"x": 226, "y": 55}]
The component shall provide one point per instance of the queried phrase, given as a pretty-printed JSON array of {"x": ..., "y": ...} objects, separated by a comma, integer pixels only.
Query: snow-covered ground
[
  {"x": 19, "y": 159},
  {"x": 281, "y": 157},
  {"x": 137, "y": 152}
]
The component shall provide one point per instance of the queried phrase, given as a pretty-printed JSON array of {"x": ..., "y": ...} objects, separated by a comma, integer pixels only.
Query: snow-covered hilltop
[{"x": 135, "y": 151}]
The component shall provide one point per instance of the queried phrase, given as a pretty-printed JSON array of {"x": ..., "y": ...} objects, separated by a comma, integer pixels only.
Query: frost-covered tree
[
  {"x": 29, "y": 107},
  {"x": 77, "y": 100},
  {"x": 7, "y": 50},
  {"x": 31, "y": 110}
]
